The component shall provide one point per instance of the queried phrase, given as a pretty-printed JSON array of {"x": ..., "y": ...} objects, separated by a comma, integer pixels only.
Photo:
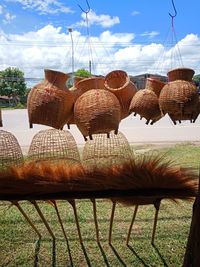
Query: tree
[
  {"x": 82, "y": 73},
  {"x": 12, "y": 84}
]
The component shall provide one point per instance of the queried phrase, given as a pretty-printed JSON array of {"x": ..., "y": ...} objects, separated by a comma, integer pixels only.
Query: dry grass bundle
[{"x": 147, "y": 178}]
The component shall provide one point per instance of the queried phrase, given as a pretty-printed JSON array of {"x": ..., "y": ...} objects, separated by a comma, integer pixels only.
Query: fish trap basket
[
  {"x": 97, "y": 111},
  {"x": 10, "y": 150},
  {"x": 185, "y": 74},
  {"x": 154, "y": 85},
  {"x": 1, "y": 121},
  {"x": 50, "y": 102},
  {"x": 118, "y": 82},
  {"x": 179, "y": 98},
  {"x": 53, "y": 144},
  {"x": 103, "y": 152},
  {"x": 145, "y": 103}
]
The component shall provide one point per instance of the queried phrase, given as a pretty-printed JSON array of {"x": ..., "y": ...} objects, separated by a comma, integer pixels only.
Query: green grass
[{"x": 18, "y": 245}]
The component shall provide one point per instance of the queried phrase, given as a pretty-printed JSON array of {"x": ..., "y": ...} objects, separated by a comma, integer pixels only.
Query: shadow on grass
[
  {"x": 160, "y": 255},
  {"x": 117, "y": 255},
  {"x": 86, "y": 255},
  {"x": 104, "y": 255},
  {"x": 137, "y": 256},
  {"x": 37, "y": 250}
]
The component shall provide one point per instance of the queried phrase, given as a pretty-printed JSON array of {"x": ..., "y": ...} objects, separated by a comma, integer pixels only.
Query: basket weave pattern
[
  {"x": 154, "y": 85},
  {"x": 54, "y": 144},
  {"x": 185, "y": 74},
  {"x": 179, "y": 99},
  {"x": 104, "y": 152},
  {"x": 10, "y": 150},
  {"x": 97, "y": 111},
  {"x": 118, "y": 82},
  {"x": 49, "y": 104},
  {"x": 145, "y": 103}
]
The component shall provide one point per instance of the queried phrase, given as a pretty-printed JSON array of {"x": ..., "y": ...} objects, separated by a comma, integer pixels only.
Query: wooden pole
[
  {"x": 131, "y": 226},
  {"x": 111, "y": 222}
]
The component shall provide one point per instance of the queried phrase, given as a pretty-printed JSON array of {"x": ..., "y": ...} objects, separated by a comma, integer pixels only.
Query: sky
[{"x": 133, "y": 35}]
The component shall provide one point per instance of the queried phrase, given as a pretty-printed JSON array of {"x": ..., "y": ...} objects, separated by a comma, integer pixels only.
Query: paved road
[{"x": 136, "y": 131}]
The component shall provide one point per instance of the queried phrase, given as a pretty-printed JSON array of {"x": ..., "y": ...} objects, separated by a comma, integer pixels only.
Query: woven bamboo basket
[
  {"x": 145, "y": 103},
  {"x": 104, "y": 152},
  {"x": 180, "y": 100},
  {"x": 77, "y": 79},
  {"x": 185, "y": 74},
  {"x": 154, "y": 85},
  {"x": 50, "y": 102},
  {"x": 97, "y": 111},
  {"x": 118, "y": 82},
  {"x": 10, "y": 150},
  {"x": 1, "y": 122},
  {"x": 53, "y": 144}
]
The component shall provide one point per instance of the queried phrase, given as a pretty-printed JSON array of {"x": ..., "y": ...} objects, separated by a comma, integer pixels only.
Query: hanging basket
[
  {"x": 180, "y": 100},
  {"x": 10, "y": 150},
  {"x": 103, "y": 152},
  {"x": 97, "y": 111},
  {"x": 145, "y": 103},
  {"x": 53, "y": 144},
  {"x": 118, "y": 82},
  {"x": 154, "y": 85},
  {"x": 185, "y": 74},
  {"x": 1, "y": 122},
  {"x": 50, "y": 102}
]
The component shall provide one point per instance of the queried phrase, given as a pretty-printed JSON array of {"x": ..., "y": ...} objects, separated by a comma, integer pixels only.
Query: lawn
[{"x": 19, "y": 244}]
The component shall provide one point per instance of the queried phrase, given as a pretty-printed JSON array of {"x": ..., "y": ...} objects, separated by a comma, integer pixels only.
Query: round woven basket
[
  {"x": 50, "y": 102},
  {"x": 154, "y": 85},
  {"x": 77, "y": 79},
  {"x": 1, "y": 122},
  {"x": 118, "y": 82},
  {"x": 179, "y": 99},
  {"x": 145, "y": 103},
  {"x": 53, "y": 144},
  {"x": 103, "y": 152},
  {"x": 97, "y": 111},
  {"x": 10, "y": 150},
  {"x": 185, "y": 74}
]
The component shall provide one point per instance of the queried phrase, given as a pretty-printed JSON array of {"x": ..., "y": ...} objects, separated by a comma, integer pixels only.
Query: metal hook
[
  {"x": 173, "y": 16},
  {"x": 85, "y": 11}
]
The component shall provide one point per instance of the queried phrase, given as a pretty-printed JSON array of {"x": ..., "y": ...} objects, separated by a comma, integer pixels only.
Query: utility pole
[{"x": 72, "y": 55}]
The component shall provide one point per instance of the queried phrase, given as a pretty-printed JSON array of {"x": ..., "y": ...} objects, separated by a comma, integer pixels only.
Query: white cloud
[
  {"x": 44, "y": 6},
  {"x": 8, "y": 18},
  {"x": 50, "y": 48},
  {"x": 103, "y": 20},
  {"x": 150, "y": 34},
  {"x": 135, "y": 13}
]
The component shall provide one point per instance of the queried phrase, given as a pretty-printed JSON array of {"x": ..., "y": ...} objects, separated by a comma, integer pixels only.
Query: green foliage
[
  {"x": 12, "y": 84},
  {"x": 196, "y": 79},
  {"x": 83, "y": 73}
]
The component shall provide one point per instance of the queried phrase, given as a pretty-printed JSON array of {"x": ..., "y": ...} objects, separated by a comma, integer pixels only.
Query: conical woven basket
[
  {"x": 185, "y": 74},
  {"x": 53, "y": 144},
  {"x": 145, "y": 103},
  {"x": 1, "y": 121},
  {"x": 179, "y": 99},
  {"x": 50, "y": 102},
  {"x": 104, "y": 152},
  {"x": 10, "y": 150},
  {"x": 118, "y": 82},
  {"x": 154, "y": 85},
  {"x": 97, "y": 111}
]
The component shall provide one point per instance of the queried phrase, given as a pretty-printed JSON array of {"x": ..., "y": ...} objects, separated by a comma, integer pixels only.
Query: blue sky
[{"x": 129, "y": 35}]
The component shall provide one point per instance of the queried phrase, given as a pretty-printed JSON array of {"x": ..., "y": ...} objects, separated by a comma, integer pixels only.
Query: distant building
[{"x": 140, "y": 80}]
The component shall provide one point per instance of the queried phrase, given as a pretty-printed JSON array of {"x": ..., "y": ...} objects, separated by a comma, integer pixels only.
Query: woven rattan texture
[
  {"x": 10, "y": 150},
  {"x": 97, "y": 111},
  {"x": 1, "y": 121},
  {"x": 154, "y": 85},
  {"x": 54, "y": 144},
  {"x": 180, "y": 99},
  {"x": 180, "y": 74},
  {"x": 50, "y": 102},
  {"x": 103, "y": 151},
  {"x": 145, "y": 103},
  {"x": 118, "y": 82}
]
